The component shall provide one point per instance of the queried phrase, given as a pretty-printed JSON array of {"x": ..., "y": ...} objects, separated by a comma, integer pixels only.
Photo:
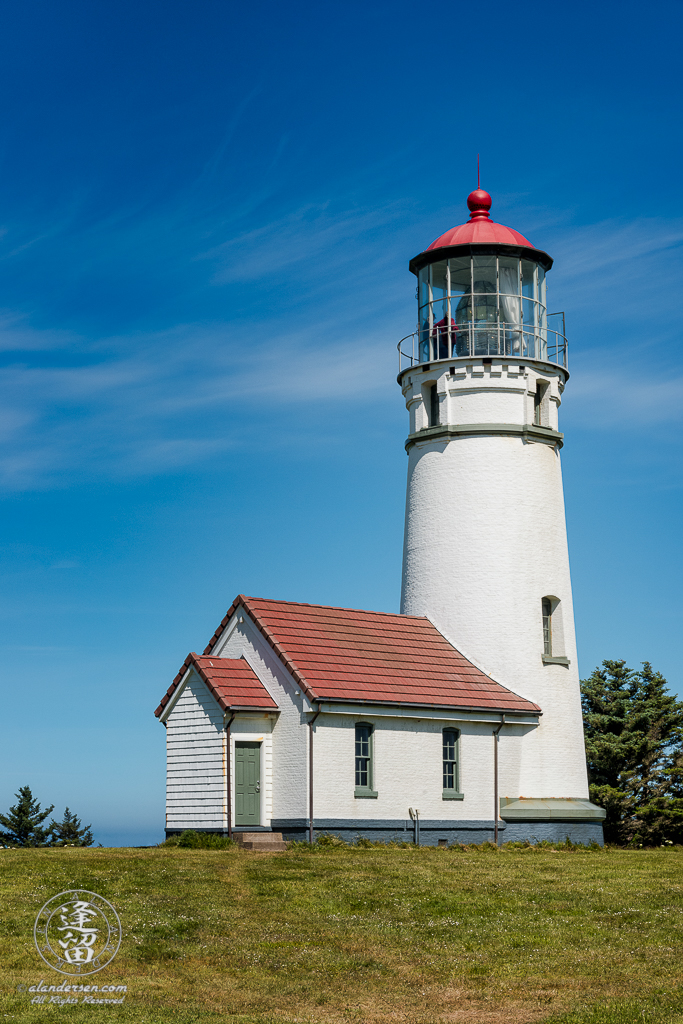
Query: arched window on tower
[{"x": 547, "y": 611}]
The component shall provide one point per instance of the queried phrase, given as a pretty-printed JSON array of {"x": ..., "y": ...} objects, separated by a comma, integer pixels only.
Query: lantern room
[{"x": 481, "y": 291}]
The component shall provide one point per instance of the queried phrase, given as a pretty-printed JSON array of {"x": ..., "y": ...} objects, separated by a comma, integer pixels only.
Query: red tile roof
[
  {"x": 341, "y": 654},
  {"x": 233, "y": 683}
]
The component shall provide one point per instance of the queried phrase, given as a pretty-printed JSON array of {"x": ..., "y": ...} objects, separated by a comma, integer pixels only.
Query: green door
[{"x": 247, "y": 783}]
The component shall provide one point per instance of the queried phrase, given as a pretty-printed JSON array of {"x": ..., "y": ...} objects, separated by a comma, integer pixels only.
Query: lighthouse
[
  {"x": 459, "y": 719},
  {"x": 485, "y": 551}
]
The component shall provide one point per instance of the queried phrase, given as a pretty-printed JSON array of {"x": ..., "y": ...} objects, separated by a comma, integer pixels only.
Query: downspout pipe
[
  {"x": 310, "y": 775},
  {"x": 415, "y": 818},
  {"x": 495, "y": 779},
  {"x": 228, "y": 758}
]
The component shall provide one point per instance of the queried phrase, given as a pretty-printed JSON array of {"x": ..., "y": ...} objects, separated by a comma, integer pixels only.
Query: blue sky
[{"x": 206, "y": 215}]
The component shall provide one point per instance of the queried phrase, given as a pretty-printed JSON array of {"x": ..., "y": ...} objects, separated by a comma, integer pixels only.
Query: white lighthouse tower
[{"x": 485, "y": 555}]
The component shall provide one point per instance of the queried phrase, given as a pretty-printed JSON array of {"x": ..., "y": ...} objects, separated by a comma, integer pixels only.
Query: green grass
[{"x": 365, "y": 935}]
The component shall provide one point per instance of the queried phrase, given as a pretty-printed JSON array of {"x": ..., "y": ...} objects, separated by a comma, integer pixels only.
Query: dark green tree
[
  {"x": 634, "y": 748},
  {"x": 24, "y": 821},
  {"x": 70, "y": 832}
]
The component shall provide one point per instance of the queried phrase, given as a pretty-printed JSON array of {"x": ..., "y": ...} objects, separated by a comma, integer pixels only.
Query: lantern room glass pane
[
  {"x": 439, "y": 291},
  {"x": 423, "y": 286},
  {"x": 485, "y": 309},
  {"x": 542, "y": 332},
  {"x": 484, "y": 275},
  {"x": 425, "y": 328},
  {"x": 508, "y": 276},
  {"x": 528, "y": 276},
  {"x": 461, "y": 275},
  {"x": 541, "y": 285},
  {"x": 529, "y": 312},
  {"x": 463, "y": 310}
]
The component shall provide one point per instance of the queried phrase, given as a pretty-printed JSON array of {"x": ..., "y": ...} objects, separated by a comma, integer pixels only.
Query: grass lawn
[{"x": 367, "y": 935}]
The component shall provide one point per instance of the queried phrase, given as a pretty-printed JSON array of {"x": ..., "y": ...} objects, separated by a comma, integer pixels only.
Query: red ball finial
[{"x": 479, "y": 203}]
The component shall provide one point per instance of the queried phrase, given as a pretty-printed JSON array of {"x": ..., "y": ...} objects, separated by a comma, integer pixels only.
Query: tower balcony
[{"x": 472, "y": 340}]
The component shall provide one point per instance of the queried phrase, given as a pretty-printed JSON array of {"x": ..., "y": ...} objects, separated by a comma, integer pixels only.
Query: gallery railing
[{"x": 471, "y": 339}]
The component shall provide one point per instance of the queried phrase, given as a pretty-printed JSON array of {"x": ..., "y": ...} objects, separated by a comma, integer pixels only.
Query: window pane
[
  {"x": 450, "y": 775},
  {"x": 485, "y": 308},
  {"x": 425, "y": 322},
  {"x": 509, "y": 275},
  {"x": 528, "y": 275},
  {"x": 460, "y": 275},
  {"x": 509, "y": 309},
  {"x": 547, "y": 629},
  {"x": 438, "y": 279},
  {"x": 529, "y": 333},
  {"x": 463, "y": 311},
  {"x": 439, "y": 290},
  {"x": 423, "y": 286},
  {"x": 363, "y": 733},
  {"x": 541, "y": 285},
  {"x": 484, "y": 274}
]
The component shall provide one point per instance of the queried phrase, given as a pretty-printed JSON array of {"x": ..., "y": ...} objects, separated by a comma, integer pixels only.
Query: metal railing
[{"x": 472, "y": 339}]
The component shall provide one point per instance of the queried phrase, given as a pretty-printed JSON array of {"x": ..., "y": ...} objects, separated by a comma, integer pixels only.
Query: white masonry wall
[
  {"x": 408, "y": 767},
  {"x": 485, "y": 542},
  {"x": 195, "y": 789}
]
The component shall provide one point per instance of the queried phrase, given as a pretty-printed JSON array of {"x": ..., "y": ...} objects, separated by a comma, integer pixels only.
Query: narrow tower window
[
  {"x": 547, "y": 610},
  {"x": 433, "y": 406},
  {"x": 538, "y": 403}
]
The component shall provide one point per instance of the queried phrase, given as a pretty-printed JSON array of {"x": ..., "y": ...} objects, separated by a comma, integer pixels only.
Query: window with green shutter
[
  {"x": 451, "y": 766},
  {"x": 364, "y": 761}
]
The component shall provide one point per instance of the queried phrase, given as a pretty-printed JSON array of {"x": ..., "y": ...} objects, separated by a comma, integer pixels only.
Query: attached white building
[{"x": 463, "y": 712}]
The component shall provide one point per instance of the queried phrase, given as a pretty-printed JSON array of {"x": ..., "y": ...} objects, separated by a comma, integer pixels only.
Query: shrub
[{"x": 191, "y": 840}]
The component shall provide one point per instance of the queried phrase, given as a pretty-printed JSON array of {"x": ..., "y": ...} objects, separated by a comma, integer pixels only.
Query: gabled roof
[
  {"x": 342, "y": 654},
  {"x": 232, "y": 681}
]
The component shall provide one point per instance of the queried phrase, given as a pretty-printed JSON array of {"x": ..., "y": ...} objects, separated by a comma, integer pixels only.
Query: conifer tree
[
  {"x": 23, "y": 822},
  {"x": 70, "y": 832},
  {"x": 634, "y": 749}
]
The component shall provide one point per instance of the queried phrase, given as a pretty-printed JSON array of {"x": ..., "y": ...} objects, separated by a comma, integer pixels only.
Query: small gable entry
[
  {"x": 247, "y": 783},
  {"x": 304, "y": 719}
]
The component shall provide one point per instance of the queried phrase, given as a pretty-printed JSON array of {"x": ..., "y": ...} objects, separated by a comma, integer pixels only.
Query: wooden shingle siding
[{"x": 195, "y": 782}]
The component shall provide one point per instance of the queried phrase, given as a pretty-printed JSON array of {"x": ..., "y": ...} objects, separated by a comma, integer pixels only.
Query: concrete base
[
  {"x": 580, "y": 832},
  {"x": 435, "y": 833},
  {"x": 432, "y": 833}
]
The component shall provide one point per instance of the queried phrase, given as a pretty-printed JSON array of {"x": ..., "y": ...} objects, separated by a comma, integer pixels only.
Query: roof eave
[
  {"x": 479, "y": 249},
  {"x": 533, "y": 709}
]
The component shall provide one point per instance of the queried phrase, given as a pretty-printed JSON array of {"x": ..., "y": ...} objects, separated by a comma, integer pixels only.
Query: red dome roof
[{"x": 480, "y": 228}]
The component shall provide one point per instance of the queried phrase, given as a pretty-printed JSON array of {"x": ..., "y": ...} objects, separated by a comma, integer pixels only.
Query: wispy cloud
[
  {"x": 301, "y": 236},
  {"x": 625, "y": 397},
  {"x": 178, "y": 400},
  {"x": 145, "y": 402}
]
